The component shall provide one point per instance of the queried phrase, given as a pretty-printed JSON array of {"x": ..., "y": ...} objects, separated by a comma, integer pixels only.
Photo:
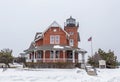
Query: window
[
  {"x": 71, "y": 42},
  {"x": 71, "y": 33},
  {"x": 57, "y": 39},
  {"x": 54, "y": 30},
  {"x": 51, "y": 54},
  {"x": 69, "y": 54},
  {"x": 39, "y": 55},
  {"x": 54, "y": 39},
  {"x": 57, "y": 54}
]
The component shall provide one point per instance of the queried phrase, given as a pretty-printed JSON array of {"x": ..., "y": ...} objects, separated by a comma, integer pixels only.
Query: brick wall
[{"x": 74, "y": 35}]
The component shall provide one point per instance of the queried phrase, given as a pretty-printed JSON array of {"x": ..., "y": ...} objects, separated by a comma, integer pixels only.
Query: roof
[
  {"x": 71, "y": 18},
  {"x": 52, "y": 47},
  {"x": 54, "y": 24},
  {"x": 55, "y": 47},
  {"x": 32, "y": 46},
  {"x": 38, "y": 35}
]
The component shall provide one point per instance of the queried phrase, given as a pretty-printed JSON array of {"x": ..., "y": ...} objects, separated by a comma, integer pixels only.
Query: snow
[
  {"x": 16, "y": 65},
  {"x": 54, "y": 24},
  {"x": 58, "y": 75},
  {"x": 58, "y": 46}
]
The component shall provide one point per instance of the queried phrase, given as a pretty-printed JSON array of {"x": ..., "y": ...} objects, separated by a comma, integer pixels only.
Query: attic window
[{"x": 54, "y": 30}]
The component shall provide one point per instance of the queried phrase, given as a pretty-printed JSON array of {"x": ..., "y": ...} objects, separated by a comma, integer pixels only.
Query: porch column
[
  {"x": 43, "y": 55},
  {"x": 54, "y": 56},
  {"x": 83, "y": 58},
  {"x": 29, "y": 58},
  {"x": 34, "y": 56},
  {"x": 64, "y": 55},
  {"x": 83, "y": 61},
  {"x": 73, "y": 54}
]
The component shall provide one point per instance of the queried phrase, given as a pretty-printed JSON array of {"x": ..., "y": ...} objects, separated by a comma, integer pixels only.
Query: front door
[{"x": 69, "y": 56}]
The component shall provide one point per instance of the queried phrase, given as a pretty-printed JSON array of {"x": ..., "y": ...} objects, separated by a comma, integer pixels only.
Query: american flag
[{"x": 90, "y": 39}]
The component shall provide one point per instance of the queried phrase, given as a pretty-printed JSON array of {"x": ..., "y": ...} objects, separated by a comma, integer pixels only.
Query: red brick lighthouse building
[{"x": 56, "y": 47}]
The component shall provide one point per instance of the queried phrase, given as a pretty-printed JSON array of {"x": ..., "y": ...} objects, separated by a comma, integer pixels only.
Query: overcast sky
[{"x": 21, "y": 19}]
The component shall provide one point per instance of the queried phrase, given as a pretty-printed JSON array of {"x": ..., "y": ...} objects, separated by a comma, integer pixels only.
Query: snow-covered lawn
[{"x": 58, "y": 75}]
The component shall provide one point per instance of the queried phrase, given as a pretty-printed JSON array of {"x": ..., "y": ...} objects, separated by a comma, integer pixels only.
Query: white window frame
[
  {"x": 52, "y": 39},
  {"x": 71, "y": 42},
  {"x": 57, "y": 39}
]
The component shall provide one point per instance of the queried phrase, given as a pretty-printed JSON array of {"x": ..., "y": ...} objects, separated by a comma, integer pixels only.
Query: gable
[
  {"x": 55, "y": 31},
  {"x": 53, "y": 27}
]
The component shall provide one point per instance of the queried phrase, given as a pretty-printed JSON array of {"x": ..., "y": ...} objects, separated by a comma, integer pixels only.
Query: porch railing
[{"x": 52, "y": 60}]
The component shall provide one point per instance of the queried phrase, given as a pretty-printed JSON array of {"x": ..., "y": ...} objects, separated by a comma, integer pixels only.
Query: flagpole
[
  {"x": 90, "y": 39},
  {"x": 91, "y": 48}
]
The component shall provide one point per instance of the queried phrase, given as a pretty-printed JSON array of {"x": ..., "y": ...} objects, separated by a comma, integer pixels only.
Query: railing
[
  {"x": 55, "y": 60},
  {"x": 52, "y": 60}
]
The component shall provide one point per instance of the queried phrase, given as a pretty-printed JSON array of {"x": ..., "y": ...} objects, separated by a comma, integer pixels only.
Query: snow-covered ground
[{"x": 58, "y": 75}]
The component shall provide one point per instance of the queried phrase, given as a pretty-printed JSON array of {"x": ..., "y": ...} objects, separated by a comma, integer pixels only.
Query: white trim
[
  {"x": 73, "y": 54},
  {"x": 43, "y": 55},
  {"x": 64, "y": 55},
  {"x": 52, "y": 39},
  {"x": 57, "y": 39}
]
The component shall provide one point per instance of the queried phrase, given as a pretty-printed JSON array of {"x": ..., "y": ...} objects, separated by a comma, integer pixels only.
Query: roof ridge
[{"x": 54, "y": 24}]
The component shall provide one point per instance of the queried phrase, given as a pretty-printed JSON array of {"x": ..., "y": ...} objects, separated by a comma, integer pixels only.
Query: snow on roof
[
  {"x": 54, "y": 24},
  {"x": 58, "y": 46},
  {"x": 38, "y": 36}
]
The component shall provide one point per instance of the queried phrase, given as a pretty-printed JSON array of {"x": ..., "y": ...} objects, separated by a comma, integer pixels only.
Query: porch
[{"x": 53, "y": 56}]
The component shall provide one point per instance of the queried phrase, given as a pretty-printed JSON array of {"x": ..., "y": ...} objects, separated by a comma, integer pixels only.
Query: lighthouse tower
[{"x": 71, "y": 27}]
